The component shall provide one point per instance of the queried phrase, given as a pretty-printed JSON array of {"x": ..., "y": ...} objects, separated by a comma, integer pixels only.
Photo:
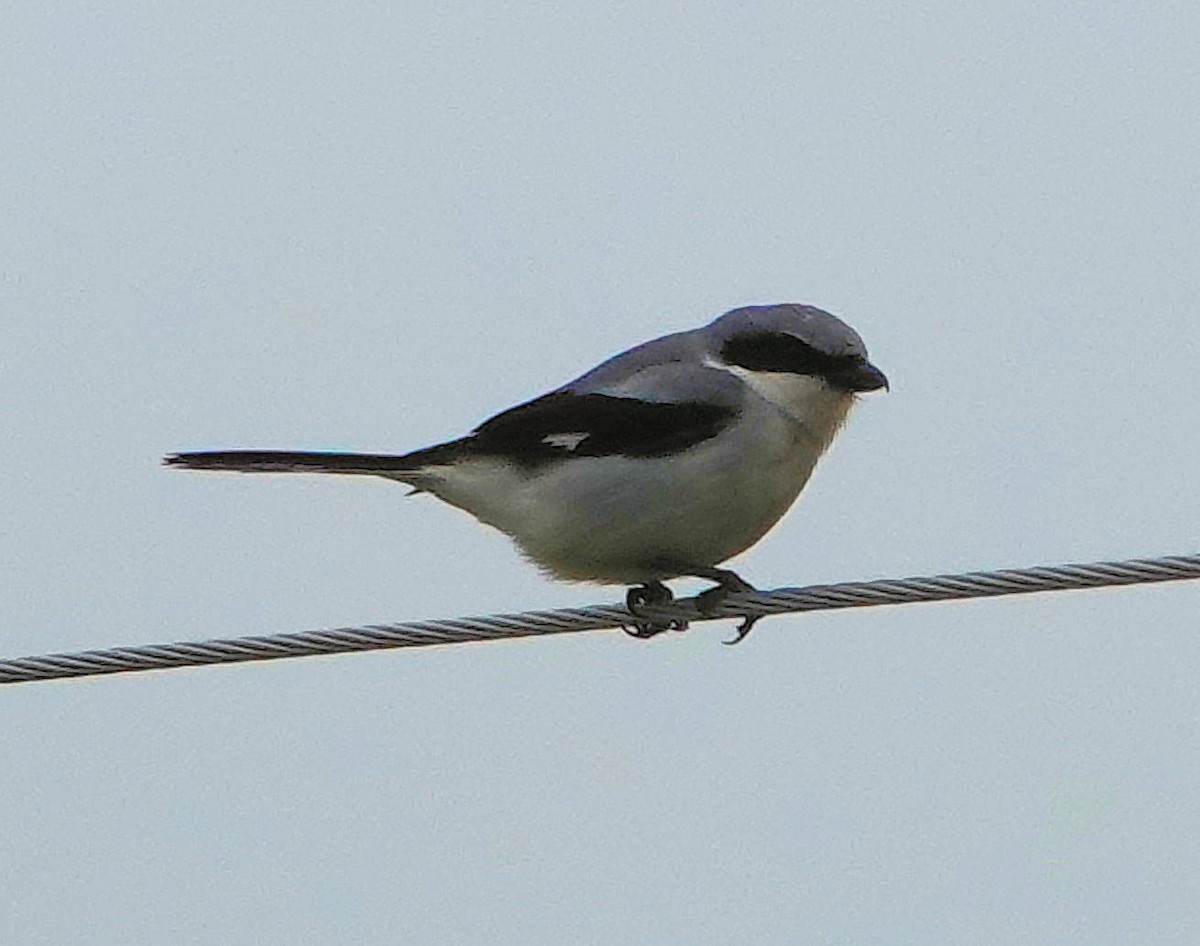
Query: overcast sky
[{"x": 372, "y": 226}]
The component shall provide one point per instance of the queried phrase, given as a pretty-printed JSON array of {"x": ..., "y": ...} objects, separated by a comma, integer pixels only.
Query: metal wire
[{"x": 528, "y": 623}]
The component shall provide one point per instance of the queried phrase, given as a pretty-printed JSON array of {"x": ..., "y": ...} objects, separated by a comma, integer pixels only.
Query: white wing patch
[{"x": 567, "y": 441}]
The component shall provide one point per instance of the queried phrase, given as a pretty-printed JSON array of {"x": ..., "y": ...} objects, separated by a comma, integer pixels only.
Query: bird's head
[{"x": 798, "y": 340}]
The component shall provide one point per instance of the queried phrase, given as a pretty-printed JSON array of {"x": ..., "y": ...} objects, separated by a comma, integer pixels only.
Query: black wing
[
  {"x": 552, "y": 428},
  {"x": 563, "y": 425}
]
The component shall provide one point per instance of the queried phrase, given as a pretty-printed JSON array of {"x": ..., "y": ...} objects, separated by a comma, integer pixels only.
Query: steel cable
[{"x": 854, "y": 594}]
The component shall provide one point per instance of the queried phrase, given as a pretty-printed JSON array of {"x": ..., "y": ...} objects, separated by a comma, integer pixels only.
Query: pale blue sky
[{"x": 369, "y": 227}]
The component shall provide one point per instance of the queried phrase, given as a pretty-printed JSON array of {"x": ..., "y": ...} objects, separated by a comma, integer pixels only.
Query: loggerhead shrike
[{"x": 662, "y": 462}]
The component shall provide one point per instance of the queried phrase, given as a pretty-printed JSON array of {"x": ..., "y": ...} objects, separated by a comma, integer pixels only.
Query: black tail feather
[{"x": 280, "y": 461}]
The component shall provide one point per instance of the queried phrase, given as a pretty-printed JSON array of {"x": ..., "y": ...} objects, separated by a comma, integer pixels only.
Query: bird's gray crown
[
  {"x": 794, "y": 339},
  {"x": 815, "y": 327},
  {"x": 799, "y": 339}
]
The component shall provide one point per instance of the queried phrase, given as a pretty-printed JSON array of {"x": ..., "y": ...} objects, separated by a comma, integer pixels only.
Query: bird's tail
[{"x": 280, "y": 461}]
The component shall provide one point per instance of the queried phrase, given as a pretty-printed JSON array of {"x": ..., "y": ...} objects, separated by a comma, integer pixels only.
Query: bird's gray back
[{"x": 667, "y": 369}]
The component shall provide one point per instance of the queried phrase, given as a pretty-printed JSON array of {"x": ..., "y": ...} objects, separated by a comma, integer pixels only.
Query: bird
[{"x": 662, "y": 462}]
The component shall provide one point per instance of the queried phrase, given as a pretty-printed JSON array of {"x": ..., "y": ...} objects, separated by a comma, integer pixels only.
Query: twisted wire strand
[{"x": 853, "y": 594}]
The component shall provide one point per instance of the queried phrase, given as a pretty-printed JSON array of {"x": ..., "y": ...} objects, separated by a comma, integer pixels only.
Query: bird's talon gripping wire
[
  {"x": 728, "y": 583},
  {"x": 653, "y": 594}
]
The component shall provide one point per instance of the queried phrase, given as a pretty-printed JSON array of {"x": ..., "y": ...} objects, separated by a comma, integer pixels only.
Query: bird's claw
[
  {"x": 654, "y": 594},
  {"x": 743, "y": 629},
  {"x": 650, "y": 595},
  {"x": 730, "y": 584}
]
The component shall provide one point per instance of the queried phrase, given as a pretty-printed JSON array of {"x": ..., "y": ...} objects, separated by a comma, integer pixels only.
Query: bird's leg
[
  {"x": 728, "y": 583},
  {"x": 650, "y": 595}
]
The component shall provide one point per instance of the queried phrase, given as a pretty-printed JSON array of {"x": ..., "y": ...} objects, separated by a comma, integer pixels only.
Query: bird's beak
[{"x": 865, "y": 377}]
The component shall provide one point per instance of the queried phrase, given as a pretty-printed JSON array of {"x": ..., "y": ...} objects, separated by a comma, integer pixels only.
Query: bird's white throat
[{"x": 808, "y": 400}]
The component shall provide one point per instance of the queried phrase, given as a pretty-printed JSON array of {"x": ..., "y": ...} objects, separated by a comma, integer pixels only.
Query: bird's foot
[
  {"x": 728, "y": 583},
  {"x": 652, "y": 594}
]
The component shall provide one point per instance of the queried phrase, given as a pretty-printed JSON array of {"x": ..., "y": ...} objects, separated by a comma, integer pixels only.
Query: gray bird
[{"x": 662, "y": 462}]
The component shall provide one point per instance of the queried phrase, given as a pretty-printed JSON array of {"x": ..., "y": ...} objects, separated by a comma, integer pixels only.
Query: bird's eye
[{"x": 777, "y": 351}]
